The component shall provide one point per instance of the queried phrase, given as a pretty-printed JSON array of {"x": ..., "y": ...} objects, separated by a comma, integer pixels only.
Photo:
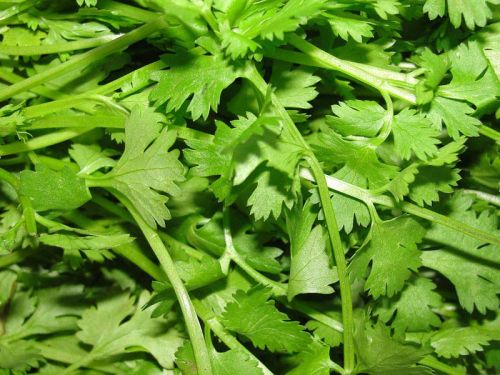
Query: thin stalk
[
  {"x": 303, "y": 59},
  {"x": 331, "y": 223},
  {"x": 129, "y": 11},
  {"x": 42, "y": 141},
  {"x": 135, "y": 256},
  {"x": 424, "y": 213},
  {"x": 277, "y": 288},
  {"x": 84, "y": 59},
  {"x": 340, "y": 261},
  {"x": 349, "y": 69},
  {"x": 490, "y": 198},
  {"x": 489, "y": 132},
  {"x": 190, "y": 318},
  {"x": 440, "y": 366},
  {"x": 56, "y": 48},
  {"x": 16, "y": 9},
  {"x": 14, "y": 257}
]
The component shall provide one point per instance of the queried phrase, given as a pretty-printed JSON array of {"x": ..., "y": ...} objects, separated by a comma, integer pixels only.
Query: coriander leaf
[
  {"x": 430, "y": 181},
  {"x": 54, "y": 190},
  {"x": 393, "y": 254},
  {"x": 106, "y": 329},
  {"x": 19, "y": 356},
  {"x": 269, "y": 196},
  {"x": 313, "y": 361},
  {"x": 326, "y": 333},
  {"x": 310, "y": 270},
  {"x": 294, "y": 87},
  {"x": 380, "y": 354},
  {"x": 96, "y": 247},
  {"x": 414, "y": 134},
  {"x": 454, "y": 342},
  {"x": 235, "y": 361},
  {"x": 413, "y": 307},
  {"x": 474, "y": 12},
  {"x": 254, "y": 315},
  {"x": 146, "y": 168},
  {"x": 202, "y": 77},
  {"x": 347, "y": 25},
  {"x": 465, "y": 261},
  {"x": 357, "y": 117},
  {"x": 455, "y": 115},
  {"x": 90, "y": 158},
  {"x": 473, "y": 78}
]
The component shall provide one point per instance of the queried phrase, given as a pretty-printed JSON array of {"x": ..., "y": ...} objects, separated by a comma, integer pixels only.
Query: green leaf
[
  {"x": 455, "y": 115},
  {"x": 473, "y": 78},
  {"x": 347, "y": 25},
  {"x": 454, "y": 342},
  {"x": 380, "y": 354},
  {"x": 202, "y": 77},
  {"x": 313, "y": 361},
  {"x": 476, "y": 280},
  {"x": 106, "y": 329},
  {"x": 146, "y": 168},
  {"x": 357, "y": 117},
  {"x": 430, "y": 181},
  {"x": 310, "y": 270},
  {"x": 294, "y": 87},
  {"x": 413, "y": 307},
  {"x": 90, "y": 158},
  {"x": 254, "y": 315},
  {"x": 414, "y": 134},
  {"x": 393, "y": 254},
  {"x": 54, "y": 190},
  {"x": 235, "y": 361},
  {"x": 96, "y": 248},
  {"x": 474, "y": 12}
]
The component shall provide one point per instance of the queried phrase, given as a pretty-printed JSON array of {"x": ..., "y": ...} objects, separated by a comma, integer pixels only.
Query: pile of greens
[{"x": 249, "y": 187}]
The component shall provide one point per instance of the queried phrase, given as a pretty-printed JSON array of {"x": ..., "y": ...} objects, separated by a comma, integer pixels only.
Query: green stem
[
  {"x": 190, "y": 318},
  {"x": 489, "y": 132},
  {"x": 424, "y": 213},
  {"x": 128, "y": 11},
  {"x": 9, "y": 178},
  {"x": 340, "y": 261},
  {"x": 227, "y": 338},
  {"x": 16, "y": 9},
  {"x": 83, "y": 59},
  {"x": 331, "y": 223},
  {"x": 42, "y": 141},
  {"x": 277, "y": 288},
  {"x": 13, "y": 258},
  {"x": 56, "y": 48},
  {"x": 490, "y": 198},
  {"x": 442, "y": 367},
  {"x": 349, "y": 69},
  {"x": 144, "y": 263},
  {"x": 303, "y": 59}
]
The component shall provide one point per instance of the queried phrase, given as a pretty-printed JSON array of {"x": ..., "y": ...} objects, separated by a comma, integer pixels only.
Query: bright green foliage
[
  {"x": 454, "y": 342},
  {"x": 182, "y": 80},
  {"x": 381, "y": 354},
  {"x": 67, "y": 190},
  {"x": 476, "y": 283},
  {"x": 310, "y": 271},
  {"x": 413, "y": 134},
  {"x": 262, "y": 187},
  {"x": 254, "y": 316},
  {"x": 413, "y": 307},
  {"x": 146, "y": 166},
  {"x": 392, "y": 253},
  {"x": 364, "y": 118},
  {"x": 474, "y": 12}
]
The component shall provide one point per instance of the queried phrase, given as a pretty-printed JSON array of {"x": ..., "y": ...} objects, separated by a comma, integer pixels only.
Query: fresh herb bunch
[{"x": 249, "y": 187}]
